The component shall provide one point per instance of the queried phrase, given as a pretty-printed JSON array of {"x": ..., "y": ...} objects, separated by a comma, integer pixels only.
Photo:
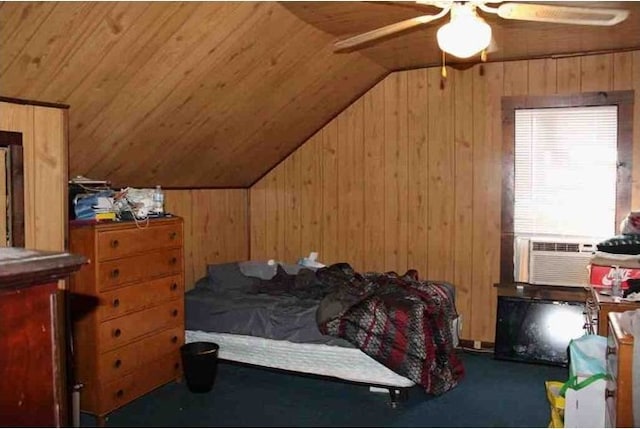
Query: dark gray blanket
[{"x": 231, "y": 304}]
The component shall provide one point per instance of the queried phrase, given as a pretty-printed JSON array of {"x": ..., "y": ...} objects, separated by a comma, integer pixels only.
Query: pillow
[
  {"x": 226, "y": 277},
  {"x": 628, "y": 244},
  {"x": 266, "y": 270},
  {"x": 259, "y": 269}
]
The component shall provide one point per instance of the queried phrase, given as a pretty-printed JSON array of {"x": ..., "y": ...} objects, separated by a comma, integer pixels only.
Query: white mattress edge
[{"x": 341, "y": 362}]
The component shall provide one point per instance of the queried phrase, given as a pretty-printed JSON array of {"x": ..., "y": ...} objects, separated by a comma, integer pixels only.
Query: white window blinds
[{"x": 565, "y": 171}]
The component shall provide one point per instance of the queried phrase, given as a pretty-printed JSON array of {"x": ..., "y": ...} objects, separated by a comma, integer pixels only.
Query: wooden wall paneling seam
[
  {"x": 485, "y": 90},
  {"x": 418, "y": 175},
  {"x": 311, "y": 196},
  {"x": 596, "y": 73},
  {"x": 395, "y": 172},
  {"x": 323, "y": 91},
  {"x": 271, "y": 210},
  {"x": 257, "y": 221},
  {"x": 493, "y": 136},
  {"x": 357, "y": 70},
  {"x": 542, "y": 76},
  {"x": 330, "y": 179},
  {"x": 463, "y": 192},
  {"x": 160, "y": 67},
  {"x": 133, "y": 49},
  {"x": 50, "y": 47},
  {"x": 622, "y": 71},
  {"x": 24, "y": 29},
  {"x": 440, "y": 144},
  {"x": 187, "y": 70},
  {"x": 246, "y": 66},
  {"x": 152, "y": 53},
  {"x": 568, "y": 75},
  {"x": 350, "y": 189},
  {"x": 92, "y": 47},
  {"x": 291, "y": 194},
  {"x": 374, "y": 177},
  {"x": 50, "y": 168}
]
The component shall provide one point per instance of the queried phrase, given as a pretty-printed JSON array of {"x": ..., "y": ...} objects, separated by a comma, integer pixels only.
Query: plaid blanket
[{"x": 400, "y": 321}]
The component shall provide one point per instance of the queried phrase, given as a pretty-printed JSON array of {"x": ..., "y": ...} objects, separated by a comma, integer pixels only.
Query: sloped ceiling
[{"x": 214, "y": 94}]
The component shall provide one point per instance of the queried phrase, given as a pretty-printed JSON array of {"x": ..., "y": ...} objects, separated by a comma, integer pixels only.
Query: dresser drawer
[
  {"x": 138, "y": 296},
  {"x": 611, "y": 402},
  {"x": 116, "y": 244},
  {"x": 118, "y": 272},
  {"x": 119, "y": 362},
  {"x": 123, "y": 330},
  {"x": 612, "y": 356},
  {"x": 117, "y": 393}
]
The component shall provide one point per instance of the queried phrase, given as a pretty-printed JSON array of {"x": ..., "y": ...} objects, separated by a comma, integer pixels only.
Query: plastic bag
[
  {"x": 588, "y": 361},
  {"x": 556, "y": 402}
]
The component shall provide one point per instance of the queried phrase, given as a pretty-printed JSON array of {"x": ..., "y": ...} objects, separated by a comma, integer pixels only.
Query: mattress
[{"x": 333, "y": 361}]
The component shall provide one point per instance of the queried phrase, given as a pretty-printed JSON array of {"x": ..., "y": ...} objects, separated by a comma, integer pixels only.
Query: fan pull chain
[{"x": 444, "y": 68}]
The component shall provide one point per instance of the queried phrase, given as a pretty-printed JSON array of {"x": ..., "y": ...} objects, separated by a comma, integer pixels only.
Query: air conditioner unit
[{"x": 554, "y": 262}]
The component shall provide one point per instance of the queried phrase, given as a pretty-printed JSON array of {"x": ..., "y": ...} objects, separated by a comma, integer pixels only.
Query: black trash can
[{"x": 199, "y": 362}]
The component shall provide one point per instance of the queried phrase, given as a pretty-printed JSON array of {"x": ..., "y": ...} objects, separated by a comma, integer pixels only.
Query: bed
[{"x": 294, "y": 318}]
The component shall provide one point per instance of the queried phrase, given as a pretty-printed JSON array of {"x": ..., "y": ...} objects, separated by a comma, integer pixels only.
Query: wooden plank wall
[
  {"x": 215, "y": 227},
  {"x": 409, "y": 176},
  {"x": 44, "y": 140}
]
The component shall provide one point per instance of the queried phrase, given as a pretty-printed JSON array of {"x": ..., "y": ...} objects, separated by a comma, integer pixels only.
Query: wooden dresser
[
  {"x": 619, "y": 410},
  {"x": 32, "y": 337},
  {"x": 127, "y": 310}
]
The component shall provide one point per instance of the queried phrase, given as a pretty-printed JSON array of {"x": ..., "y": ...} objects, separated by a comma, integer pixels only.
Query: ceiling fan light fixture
[{"x": 466, "y": 34}]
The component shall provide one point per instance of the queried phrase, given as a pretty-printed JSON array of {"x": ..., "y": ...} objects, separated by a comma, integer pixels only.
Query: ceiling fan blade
[
  {"x": 387, "y": 30},
  {"x": 561, "y": 14}
]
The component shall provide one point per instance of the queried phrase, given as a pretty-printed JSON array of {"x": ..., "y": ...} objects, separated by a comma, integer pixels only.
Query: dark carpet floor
[{"x": 493, "y": 393}]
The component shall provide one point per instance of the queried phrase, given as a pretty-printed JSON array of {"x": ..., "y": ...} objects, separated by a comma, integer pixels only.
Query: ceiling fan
[{"x": 467, "y": 34}]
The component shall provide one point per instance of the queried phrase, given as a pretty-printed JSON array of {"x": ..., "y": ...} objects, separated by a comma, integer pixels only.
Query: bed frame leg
[{"x": 398, "y": 395}]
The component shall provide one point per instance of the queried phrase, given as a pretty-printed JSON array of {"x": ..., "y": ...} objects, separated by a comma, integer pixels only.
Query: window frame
[{"x": 622, "y": 99}]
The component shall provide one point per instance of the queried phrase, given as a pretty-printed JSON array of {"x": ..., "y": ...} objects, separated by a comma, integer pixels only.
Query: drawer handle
[
  {"x": 173, "y": 261},
  {"x": 174, "y": 339},
  {"x": 174, "y": 313},
  {"x": 608, "y": 393},
  {"x": 117, "y": 332},
  {"x": 174, "y": 286},
  {"x": 120, "y": 393},
  {"x": 117, "y": 363},
  {"x": 115, "y": 273},
  {"x": 173, "y": 235},
  {"x": 116, "y": 303},
  {"x": 115, "y": 244},
  {"x": 611, "y": 350}
]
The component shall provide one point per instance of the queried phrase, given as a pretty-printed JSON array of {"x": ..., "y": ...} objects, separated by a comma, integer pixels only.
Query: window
[
  {"x": 566, "y": 167},
  {"x": 565, "y": 171}
]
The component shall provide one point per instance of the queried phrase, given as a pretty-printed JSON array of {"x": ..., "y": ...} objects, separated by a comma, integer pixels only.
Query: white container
[{"x": 158, "y": 201}]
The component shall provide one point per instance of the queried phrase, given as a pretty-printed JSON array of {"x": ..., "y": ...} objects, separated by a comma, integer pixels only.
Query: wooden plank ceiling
[{"x": 214, "y": 94}]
